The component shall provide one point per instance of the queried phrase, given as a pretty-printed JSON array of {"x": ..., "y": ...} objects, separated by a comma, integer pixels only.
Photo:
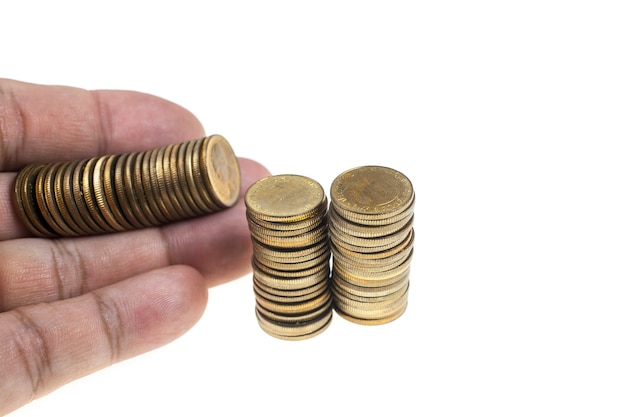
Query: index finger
[{"x": 40, "y": 123}]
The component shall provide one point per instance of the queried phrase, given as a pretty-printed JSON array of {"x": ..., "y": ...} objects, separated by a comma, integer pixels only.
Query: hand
[{"x": 71, "y": 306}]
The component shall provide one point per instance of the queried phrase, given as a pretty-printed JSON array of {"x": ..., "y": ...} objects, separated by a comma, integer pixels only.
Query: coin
[
  {"x": 371, "y": 192},
  {"x": 285, "y": 198},
  {"x": 220, "y": 170}
]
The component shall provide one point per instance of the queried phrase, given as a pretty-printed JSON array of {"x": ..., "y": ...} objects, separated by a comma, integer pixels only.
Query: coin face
[
  {"x": 371, "y": 190},
  {"x": 287, "y": 197},
  {"x": 220, "y": 170}
]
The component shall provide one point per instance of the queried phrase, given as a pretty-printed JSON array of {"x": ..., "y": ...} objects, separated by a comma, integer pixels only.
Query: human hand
[{"x": 72, "y": 306}]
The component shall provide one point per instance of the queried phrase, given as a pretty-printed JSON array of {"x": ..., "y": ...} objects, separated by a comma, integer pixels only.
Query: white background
[{"x": 508, "y": 117}]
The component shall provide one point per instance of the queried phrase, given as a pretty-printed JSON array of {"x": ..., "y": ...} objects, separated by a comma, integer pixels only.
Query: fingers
[
  {"x": 52, "y": 123},
  {"x": 44, "y": 270},
  {"x": 47, "y": 345}
]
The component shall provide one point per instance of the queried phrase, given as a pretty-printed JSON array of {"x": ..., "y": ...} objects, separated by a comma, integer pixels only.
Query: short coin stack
[
  {"x": 286, "y": 215},
  {"x": 371, "y": 231},
  {"x": 114, "y": 193}
]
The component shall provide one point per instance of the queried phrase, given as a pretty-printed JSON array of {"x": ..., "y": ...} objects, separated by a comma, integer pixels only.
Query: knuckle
[{"x": 31, "y": 349}]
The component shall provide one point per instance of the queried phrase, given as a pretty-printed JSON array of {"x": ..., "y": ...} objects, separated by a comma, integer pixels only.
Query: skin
[{"x": 72, "y": 306}]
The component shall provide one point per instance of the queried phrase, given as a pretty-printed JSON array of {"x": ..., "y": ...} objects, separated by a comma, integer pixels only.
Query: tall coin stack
[
  {"x": 286, "y": 216},
  {"x": 370, "y": 220},
  {"x": 114, "y": 193}
]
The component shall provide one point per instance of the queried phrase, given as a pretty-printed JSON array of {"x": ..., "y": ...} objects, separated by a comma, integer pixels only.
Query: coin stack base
[
  {"x": 286, "y": 216},
  {"x": 371, "y": 232}
]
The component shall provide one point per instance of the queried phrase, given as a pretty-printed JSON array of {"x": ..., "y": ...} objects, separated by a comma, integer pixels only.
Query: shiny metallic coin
[
  {"x": 367, "y": 232},
  {"x": 295, "y": 331},
  {"x": 157, "y": 182},
  {"x": 372, "y": 321},
  {"x": 293, "y": 266},
  {"x": 196, "y": 191},
  {"x": 291, "y": 293},
  {"x": 289, "y": 319},
  {"x": 58, "y": 212},
  {"x": 100, "y": 190},
  {"x": 65, "y": 200},
  {"x": 290, "y": 255},
  {"x": 47, "y": 207},
  {"x": 351, "y": 290},
  {"x": 220, "y": 170},
  {"x": 144, "y": 179},
  {"x": 27, "y": 207},
  {"x": 291, "y": 283},
  {"x": 285, "y": 198},
  {"x": 372, "y": 192},
  {"x": 79, "y": 199},
  {"x": 108, "y": 185},
  {"x": 168, "y": 184}
]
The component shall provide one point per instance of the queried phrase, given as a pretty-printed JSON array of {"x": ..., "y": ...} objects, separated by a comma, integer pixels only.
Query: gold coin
[
  {"x": 321, "y": 265},
  {"x": 180, "y": 152},
  {"x": 169, "y": 184},
  {"x": 291, "y": 307},
  {"x": 192, "y": 173},
  {"x": 146, "y": 182},
  {"x": 293, "y": 266},
  {"x": 26, "y": 205},
  {"x": 100, "y": 191},
  {"x": 390, "y": 278},
  {"x": 373, "y": 257},
  {"x": 157, "y": 182},
  {"x": 116, "y": 195},
  {"x": 65, "y": 199},
  {"x": 285, "y": 198},
  {"x": 131, "y": 200},
  {"x": 269, "y": 294},
  {"x": 296, "y": 318},
  {"x": 322, "y": 285},
  {"x": 359, "y": 219},
  {"x": 358, "y": 267},
  {"x": 55, "y": 204},
  {"x": 220, "y": 170},
  {"x": 304, "y": 240},
  {"x": 373, "y": 302},
  {"x": 196, "y": 171},
  {"x": 295, "y": 227},
  {"x": 137, "y": 190},
  {"x": 369, "y": 232},
  {"x": 295, "y": 331},
  {"x": 370, "y": 310},
  {"x": 373, "y": 321},
  {"x": 79, "y": 200},
  {"x": 356, "y": 291},
  {"x": 291, "y": 283},
  {"x": 372, "y": 192},
  {"x": 275, "y": 230},
  {"x": 108, "y": 184},
  {"x": 89, "y": 195},
  {"x": 41, "y": 196},
  {"x": 287, "y": 255}
]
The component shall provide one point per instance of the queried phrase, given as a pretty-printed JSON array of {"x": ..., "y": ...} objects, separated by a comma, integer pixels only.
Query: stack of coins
[
  {"x": 115, "y": 193},
  {"x": 286, "y": 215},
  {"x": 370, "y": 221}
]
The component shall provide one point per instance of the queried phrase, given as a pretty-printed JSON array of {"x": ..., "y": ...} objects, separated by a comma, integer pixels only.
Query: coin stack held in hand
[
  {"x": 370, "y": 219},
  {"x": 286, "y": 216},
  {"x": 115, "y": 193}
]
